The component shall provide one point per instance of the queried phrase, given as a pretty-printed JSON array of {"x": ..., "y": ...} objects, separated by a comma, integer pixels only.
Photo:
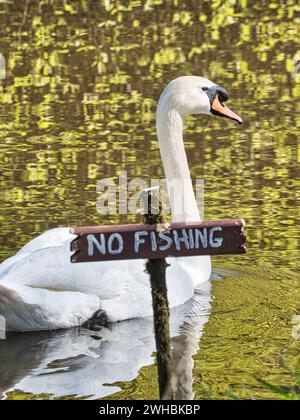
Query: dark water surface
[{"x": 78, "y": 105}]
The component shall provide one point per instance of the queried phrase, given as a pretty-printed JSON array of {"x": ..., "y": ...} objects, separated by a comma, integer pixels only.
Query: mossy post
[{"x": 157, "y": 271}]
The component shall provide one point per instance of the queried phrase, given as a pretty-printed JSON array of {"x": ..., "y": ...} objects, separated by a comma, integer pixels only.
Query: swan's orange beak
[{"x": 218, "y": 108}]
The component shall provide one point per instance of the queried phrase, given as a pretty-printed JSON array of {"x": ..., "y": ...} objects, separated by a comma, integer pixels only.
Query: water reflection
[
  {"x": 78, "y": 105},
  {"x": 84, "y": 363},
  {"x": 79, "y": 100}
]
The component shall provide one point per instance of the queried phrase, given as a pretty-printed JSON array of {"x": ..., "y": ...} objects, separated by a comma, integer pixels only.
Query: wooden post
[{"x": 157, "y": 271}]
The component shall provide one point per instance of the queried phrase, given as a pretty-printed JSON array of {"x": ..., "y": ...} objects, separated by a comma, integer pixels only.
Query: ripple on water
[
  {"x": 249, "y": 334},
  {"x": 243, "y": 326}
]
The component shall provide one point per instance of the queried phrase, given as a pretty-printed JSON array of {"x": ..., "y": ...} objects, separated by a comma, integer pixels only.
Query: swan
[{"x": 40, "y": 289}]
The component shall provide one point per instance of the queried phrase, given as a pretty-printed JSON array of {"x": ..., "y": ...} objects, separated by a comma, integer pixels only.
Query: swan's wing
[
  {"x": 122, "y": 286},
  {"x": 45, "y": 263},
  {"x": 31, "y": 309},
  {"x": 197, "y": 269},
  {"x": 53, "y": 237}
]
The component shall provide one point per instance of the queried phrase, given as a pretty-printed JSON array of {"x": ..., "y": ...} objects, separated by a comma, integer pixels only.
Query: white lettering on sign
[
  {"x": 215, "y": 242},
  {"x": 167, "y": 239},
  {"x": 92, "y": 242},
  {"x": 191, "y": 239},
  {"x": 153, "y": 241},
  {"x": 117, "y": 238},
  {"x": 182, "y": 239},
  {"x": 202, "y": 237},
  {"x": 138, "y": 241}
]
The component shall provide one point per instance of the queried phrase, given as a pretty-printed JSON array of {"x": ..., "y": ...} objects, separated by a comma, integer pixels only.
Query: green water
[{"x": 78, "y": 105}]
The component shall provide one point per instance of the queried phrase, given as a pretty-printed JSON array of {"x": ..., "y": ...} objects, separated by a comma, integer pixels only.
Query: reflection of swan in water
[{"x": 80, "y": 362}]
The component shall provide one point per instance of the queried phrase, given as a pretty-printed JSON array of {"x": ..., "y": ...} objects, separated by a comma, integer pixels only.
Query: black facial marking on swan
[{"x": 212, "y": 91}]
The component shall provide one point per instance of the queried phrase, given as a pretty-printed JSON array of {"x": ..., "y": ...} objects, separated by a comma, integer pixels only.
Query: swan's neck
[{"x": 170, "y": 136}]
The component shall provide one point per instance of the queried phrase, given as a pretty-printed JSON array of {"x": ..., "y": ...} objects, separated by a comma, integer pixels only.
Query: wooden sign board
[{"x": 119, "y": 242}]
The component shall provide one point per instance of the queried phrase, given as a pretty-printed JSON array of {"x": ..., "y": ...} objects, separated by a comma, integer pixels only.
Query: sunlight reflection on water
[{"x": 78, "y": 104}]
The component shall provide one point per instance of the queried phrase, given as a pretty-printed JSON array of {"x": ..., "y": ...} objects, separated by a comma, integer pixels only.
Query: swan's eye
[
  {"x": 215, "y": 90},
  {"x": 223, "y": 95}
]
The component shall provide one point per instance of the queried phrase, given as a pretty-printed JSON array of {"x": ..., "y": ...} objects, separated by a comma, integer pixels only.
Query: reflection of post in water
[
  {"x": 157, "y": 271},
  {"x": 186, "y": 344}
]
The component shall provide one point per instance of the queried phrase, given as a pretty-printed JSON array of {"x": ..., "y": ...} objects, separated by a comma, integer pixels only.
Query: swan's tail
[{"x": 32, "y": 309}]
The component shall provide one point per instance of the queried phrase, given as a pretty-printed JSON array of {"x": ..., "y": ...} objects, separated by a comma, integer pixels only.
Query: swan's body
[{"x": 40, "y": 289}]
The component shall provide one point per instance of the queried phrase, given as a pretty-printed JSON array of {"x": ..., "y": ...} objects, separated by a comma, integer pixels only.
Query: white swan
[{"x": 40, "y": 289}]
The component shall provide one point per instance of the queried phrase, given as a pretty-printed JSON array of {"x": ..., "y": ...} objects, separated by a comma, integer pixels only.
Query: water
[
  {"x": 90, "y": 364},
  {"x": 78, "y": 104}
]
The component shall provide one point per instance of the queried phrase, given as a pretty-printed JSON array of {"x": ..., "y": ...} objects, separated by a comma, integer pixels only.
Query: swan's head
[{"x": 197, "y": 95}]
